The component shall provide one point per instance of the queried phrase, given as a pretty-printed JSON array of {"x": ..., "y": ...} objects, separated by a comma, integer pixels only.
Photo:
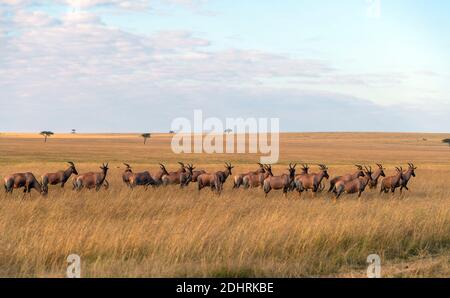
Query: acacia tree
[
  {"x": 446, "y": 141},
  {"x": 46, "y": 134},
  {"x": 146, "y": 136}
]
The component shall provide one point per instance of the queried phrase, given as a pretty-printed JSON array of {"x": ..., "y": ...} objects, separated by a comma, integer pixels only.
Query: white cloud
[{"x": 73, "y": 66}]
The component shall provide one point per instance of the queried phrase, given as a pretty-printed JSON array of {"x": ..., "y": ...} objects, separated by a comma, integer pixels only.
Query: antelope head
[
  {"x": 361, "y": 171},
  {"x": 268, "y": 169},
  {"x": 163, "y": 169},
  {"x": 182, "y": 167},
  {"x": 412, "y": 168},
  {"x": 128, "y": 167},
  {"x": 305, "y": 168},
  {"x": 72, "y": 166},
  {"x": 229, "y": 167},
  {"x": 104, "y": 168},
  {"x": 261, "y": 168},
  {"x": 190, "y": 168},
  {"x": 324, "y": 170},
  {"x": 380, "y": 166},
  {"x": 291, "y": 170}
]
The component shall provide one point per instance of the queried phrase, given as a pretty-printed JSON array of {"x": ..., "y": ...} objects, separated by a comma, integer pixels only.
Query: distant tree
[
  {"x": 172, "y": 132},
  {"x": 446, "y": 141},
  {"x": 228, "y": 130},
  {"x": 74, "y": 131},
  {"x": 146, "y": 136},
  {"x": 46, "y": 134}
]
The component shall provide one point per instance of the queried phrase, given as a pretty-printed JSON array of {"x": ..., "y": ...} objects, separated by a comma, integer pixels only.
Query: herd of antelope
[{"x": 262, "y": 177}]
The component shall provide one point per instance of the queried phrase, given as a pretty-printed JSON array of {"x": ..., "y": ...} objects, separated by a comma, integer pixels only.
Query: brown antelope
[
  {"x": 239, "y": 179},
  {"x": 60, "y": 177},
  {"x": 283, "y": 182},
  {"x": 174, "y": 177},
  {"x": 92, "y": 180},
  {"x": 357, "y": 185},
  {"x": 348, "y": 177},
  {"x": 25, "y": 180},
  {"x": 140, "y": 179},
  {"x": 392, "y": 182},
  {"x": 312, "y": 181},
  {"x": 158, "y": 178},
  {"x": 225, "y": 174},
  {"x": 127, "y": 174},
  {"x": 376, "y": 175},
  {"x": 254, "y": 180},
  {"x": 210, "y": 180},
  {"x": 186, "y": 177},
  {"x": 407, "y": 176},
  {"x": 197, "y": 173}
]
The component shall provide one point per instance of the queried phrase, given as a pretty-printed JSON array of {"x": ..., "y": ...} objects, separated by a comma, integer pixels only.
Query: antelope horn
[{"x": 71, "y": 163}]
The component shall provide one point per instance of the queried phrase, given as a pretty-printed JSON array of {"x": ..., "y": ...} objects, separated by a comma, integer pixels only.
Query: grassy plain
[{"x": 169, "y": 232}]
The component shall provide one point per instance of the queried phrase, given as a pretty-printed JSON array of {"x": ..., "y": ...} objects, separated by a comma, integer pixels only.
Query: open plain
[{"x": 168, "y": 231}]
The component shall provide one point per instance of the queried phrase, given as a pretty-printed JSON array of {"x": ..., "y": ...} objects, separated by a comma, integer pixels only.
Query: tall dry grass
[{"x": 172, "y": 232}]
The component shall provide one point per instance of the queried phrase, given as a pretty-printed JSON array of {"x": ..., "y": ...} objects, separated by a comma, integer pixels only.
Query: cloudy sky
[{"x": 134, "y": 66}]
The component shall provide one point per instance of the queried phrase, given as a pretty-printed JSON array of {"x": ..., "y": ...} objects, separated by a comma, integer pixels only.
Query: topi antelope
[
  {"x": 407, "y": 176},
  {"x": 239, "y": 179},
  {"x": 197, "y": 173},
  {"x": 348, "y": 177},
  {"x": 26, "y": 180},
  {"x": 174, "y": 177},
  {"x": 376, "y": 175},
  {"x": 357, "y": 185},
  {"x": 283, "y": 182},
  {"x": 158, "y": 178},
  {"x": 127, "y": 174},
  {"x": 141, "y": 179},
  {"x": 223, "y": 175},
  {"x": 312, "y": 181},
  {"x": 254, "y": 180},
  {"x": 60, "y": 177},
  {"x": 392, "y": 182},
  {"x": 210, "y": 180},
  {"x": 186, "y": 177},
  {"x": 92, "y": 180}
]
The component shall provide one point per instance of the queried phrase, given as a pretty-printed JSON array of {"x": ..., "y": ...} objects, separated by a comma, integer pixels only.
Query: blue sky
[{"x": 128, "y": 66}]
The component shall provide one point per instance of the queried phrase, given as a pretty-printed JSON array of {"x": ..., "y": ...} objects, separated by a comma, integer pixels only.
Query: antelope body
[
  {"x": 60, "y": 177},
  {"x": 186, "y": 177},
  {"x": 127, "y": 174},
  {"x": 239, "y": 179},
  {"x": 254, "y": 180},
  {"x": 407, "y": 176},
  {"x": 210, "y": 180},
  {"x": 92, "y": 179},
  {"x": 348, "y": 177},
  {"x": 311, "y": 181},
  {"x": 26, "y": 180},
  {"x": 174, "y": 177},
  {"x": 392, "y": 182},
  {"x": 357, "y": 185},
  {"x": 376, "y": 175},
  {"x": 137, "y": 179},
  {"x": 223, "y": 175},
  {"x": 282, "y": 182},
  {"x": 158, "y": 178}
]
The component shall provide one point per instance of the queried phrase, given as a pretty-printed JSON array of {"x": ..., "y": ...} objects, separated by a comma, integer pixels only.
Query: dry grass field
[{"x": 168, "y": 232}]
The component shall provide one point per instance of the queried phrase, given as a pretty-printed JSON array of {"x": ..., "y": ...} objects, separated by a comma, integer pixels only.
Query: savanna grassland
[{"x": 168, "y": 232}]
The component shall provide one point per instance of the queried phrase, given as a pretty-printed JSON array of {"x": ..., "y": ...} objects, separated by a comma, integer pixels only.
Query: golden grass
[{"x": 168, "y": 232}]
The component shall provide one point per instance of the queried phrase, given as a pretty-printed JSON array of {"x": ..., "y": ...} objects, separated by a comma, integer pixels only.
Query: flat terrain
[{"x": 168, "y": 232}]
